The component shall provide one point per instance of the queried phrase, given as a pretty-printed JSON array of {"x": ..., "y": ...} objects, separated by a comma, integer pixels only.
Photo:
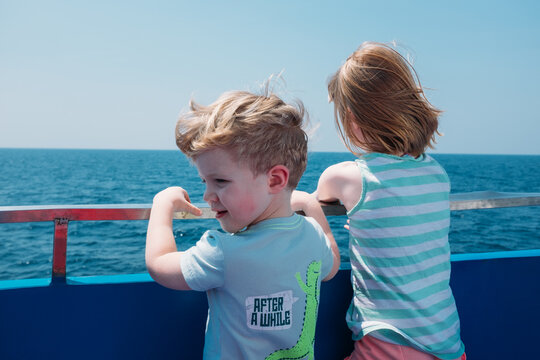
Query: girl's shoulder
[
  {"x": 343, "y": 166},
  {"x": 343, "y": 171}
]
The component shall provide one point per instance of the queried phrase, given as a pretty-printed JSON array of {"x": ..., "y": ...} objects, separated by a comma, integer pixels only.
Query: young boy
[{"x": 263, "y": 276}]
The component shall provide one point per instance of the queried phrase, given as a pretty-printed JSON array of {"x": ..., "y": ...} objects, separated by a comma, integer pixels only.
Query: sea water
[{"x": 74, "y": 177}]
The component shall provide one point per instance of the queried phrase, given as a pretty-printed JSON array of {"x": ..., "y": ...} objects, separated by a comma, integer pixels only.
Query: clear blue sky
[{"x": 115, "y": 74}]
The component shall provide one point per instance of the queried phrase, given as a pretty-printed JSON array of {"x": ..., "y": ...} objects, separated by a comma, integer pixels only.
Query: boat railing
[{"x": 61, "y": 215}]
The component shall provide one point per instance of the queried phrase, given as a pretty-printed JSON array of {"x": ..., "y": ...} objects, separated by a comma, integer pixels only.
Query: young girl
[{"x": 396, "y": 198}]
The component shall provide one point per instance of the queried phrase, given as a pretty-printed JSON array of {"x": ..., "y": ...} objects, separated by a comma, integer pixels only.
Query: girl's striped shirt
[{"x": 400, "y": 256}]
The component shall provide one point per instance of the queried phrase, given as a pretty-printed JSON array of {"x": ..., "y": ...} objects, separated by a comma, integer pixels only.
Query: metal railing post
[{"x": 59, "y": 250}]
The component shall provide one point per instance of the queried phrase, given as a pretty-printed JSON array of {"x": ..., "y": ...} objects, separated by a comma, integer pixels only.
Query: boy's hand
[
  {"x": 176, "y": 199},
  {"x": 163, "y": 260}
]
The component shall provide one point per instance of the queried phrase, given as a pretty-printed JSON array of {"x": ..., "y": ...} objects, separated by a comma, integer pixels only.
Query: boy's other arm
[
  {"x": 308, "y": 203},
  {"x": 162, "y": 257},
  {"x": 341, "y": 182}
]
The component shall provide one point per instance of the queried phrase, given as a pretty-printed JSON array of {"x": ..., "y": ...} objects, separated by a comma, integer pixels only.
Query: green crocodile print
[{"x": 304, "y": 345}]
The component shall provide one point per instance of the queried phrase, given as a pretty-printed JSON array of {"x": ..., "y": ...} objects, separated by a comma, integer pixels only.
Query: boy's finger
[
  {"x": 186, "y": 211},
  {"x": 194, "y": 210},
  {"x": 186, "y": 195}
]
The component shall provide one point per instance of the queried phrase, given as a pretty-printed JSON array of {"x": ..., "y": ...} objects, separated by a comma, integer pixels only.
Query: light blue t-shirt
[{"x": 263, "y": 287}]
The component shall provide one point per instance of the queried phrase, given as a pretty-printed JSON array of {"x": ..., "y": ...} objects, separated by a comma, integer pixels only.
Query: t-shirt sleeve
[
  {"x": 202, "y": 264},
  {"x": 327, "y": 257}
]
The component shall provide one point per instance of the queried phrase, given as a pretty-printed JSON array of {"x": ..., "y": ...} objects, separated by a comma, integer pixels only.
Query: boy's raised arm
[
  {"x": 309, "y": 204},
  {"x": 162, "y": 256}
]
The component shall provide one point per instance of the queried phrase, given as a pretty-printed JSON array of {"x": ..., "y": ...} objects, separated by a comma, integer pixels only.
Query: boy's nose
[{"x": 209, "y": 196}]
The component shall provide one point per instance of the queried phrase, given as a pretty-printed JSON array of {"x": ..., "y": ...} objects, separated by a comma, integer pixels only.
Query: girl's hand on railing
[
  {"x": 310, "y": 206},
  {"x": 176, "y": 199},
  {"x": 307, "y": 203},
  {"x": 300, "y": 201}
]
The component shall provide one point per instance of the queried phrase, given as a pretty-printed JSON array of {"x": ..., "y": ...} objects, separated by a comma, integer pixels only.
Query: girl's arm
[
  {"x": 308, "y": 203},
  {"x": 341, "y": 182},
  {"x": 162, "y": 257}
]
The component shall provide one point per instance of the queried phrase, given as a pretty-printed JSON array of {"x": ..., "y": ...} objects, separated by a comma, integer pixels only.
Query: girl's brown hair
[{"x": 375, "y": 92}]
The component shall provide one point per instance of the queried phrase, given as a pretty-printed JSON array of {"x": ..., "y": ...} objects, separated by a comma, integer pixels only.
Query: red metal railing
[{"x": 63, "y": 214}]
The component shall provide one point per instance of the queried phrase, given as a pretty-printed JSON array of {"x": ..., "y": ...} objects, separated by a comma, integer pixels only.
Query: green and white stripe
[{"x": 400, "y": 255}]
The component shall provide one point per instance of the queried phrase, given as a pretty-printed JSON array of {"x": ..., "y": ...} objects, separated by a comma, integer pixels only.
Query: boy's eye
[{"x": 220, "y": 181}]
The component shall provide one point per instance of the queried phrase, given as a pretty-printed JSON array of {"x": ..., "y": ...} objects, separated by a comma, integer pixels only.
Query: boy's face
[{"x": 238, "y": 197}]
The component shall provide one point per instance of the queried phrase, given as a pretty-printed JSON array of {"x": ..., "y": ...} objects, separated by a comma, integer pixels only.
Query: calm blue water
[{"x": 50, "y": 177}]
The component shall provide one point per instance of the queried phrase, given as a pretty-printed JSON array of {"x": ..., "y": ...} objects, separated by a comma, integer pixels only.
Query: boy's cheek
[{"x": 246, "y": 206}]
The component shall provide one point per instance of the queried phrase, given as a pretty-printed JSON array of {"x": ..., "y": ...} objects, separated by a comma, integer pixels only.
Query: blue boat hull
[{"x": 131, "y": 317}]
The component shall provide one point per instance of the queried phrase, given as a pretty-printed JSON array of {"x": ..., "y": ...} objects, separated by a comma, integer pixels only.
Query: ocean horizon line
[{"x": 310, "y": 151}]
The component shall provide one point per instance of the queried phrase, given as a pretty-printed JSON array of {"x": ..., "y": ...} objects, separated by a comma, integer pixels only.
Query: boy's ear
[{"x": 278, "y": 178}]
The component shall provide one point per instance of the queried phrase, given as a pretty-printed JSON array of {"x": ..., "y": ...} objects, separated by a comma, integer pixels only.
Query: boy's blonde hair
[
  {"x": 261, "y": 130},
  {"x": 376, "y": 90}
]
